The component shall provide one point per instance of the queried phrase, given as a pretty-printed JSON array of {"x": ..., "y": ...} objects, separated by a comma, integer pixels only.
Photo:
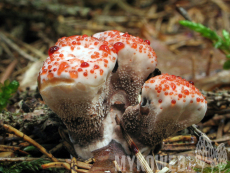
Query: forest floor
[{"x": 29, "y": 28}]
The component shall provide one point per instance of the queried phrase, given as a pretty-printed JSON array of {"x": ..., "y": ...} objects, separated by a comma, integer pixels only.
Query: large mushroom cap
[
  {"x": 174, "y": 98},
  {"x": 132, "y": 51},
  {"x": 77, "y": 59}
]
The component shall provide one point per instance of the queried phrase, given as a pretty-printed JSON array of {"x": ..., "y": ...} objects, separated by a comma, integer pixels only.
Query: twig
[
  {"x": 183, "y": 12},
  {"x": 90, "y": 160},
  {"x": 55, "y": 8},
  {"x": 61, "y": 165},
  {"x": 117, "y": 166},
  {"x": 27, "y": 46},
  {"x": 8, "y": 148},
  {"x": 81, "y": 164},
  {"x": 23, "y": 159},
  {"x": 59, "y": 146},
  {"x": 74, "y": 165},
  {"x": 198, "y": 133},
  {"x": 129, "y": 9},
  {"x": 8, "y": 70},
  {"x": 220, "y": 129},
  {"x": 28, "y": 139},
  {"x": 56, "y": 165},
  {"x": 133, "y": 147},
  {"x": 193, "y": 67},
  {"x": 209, "y": 63},
  {"x": 181, "y": 138},
  {"x": 16, "y": 48},
  {"x": 7, "y": 50}
]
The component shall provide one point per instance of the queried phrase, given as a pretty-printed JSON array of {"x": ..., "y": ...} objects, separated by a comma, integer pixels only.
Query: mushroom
[
  {"x": 74, "y": 83},
  {"x": 168, "y": 104},
  {"x": 136, "y": 60}
]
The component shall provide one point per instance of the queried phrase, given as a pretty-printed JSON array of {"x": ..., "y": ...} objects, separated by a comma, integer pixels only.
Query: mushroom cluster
[{"x": 89, "y": 80}]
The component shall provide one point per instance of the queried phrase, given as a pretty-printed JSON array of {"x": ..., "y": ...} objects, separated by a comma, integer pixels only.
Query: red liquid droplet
[
  {"x": 148, "y": 42},
  {"x": 96, "y": 66},
  {"x": 160, "y": 101},
  {"x": 52, "y": 50},
  {"x": 191, "y": 82},
  {"x": 126, "y": 34},
  {"x": 105, "y": 48},
  {"x": 73, "y": 74},
  {"x": 173, "y": 86},
  {"x": 173, "y": 101},
  {"x": 62, "y": 67},
  {"x": 198, "y": 99},
  {"x": 118, "y": 46},
  {"x": 180, "y": 95},
  {"x": 186, "y": 92},
  {"x": 84, "y": 64},
  {"x": 101, "y": 72},
  {"x": 85, "y": 74},
  {"x": 50, "y": 75}
]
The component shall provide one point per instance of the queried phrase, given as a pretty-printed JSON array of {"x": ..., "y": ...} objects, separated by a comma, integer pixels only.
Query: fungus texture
[
  {"x": 88, "y": 81},
  {"x": 168, "y": 104},
  {"x": 74, "y": 83},
  {"x": 136, "y": 60}
]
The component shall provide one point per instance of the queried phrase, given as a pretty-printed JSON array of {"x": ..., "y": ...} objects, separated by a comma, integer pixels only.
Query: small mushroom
[
  {"x": 74, "y": 83},
  {"x": 136, "y": 60},
  {"x": 168, "y": 104}
]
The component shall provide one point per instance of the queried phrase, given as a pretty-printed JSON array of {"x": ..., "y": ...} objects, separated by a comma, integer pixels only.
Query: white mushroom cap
[
  {"x": 132, "y": 51},
  {"x": 136, "y": 60},
  {"x": 169, "y": 104},
  {"x": 174, "y": 98}
]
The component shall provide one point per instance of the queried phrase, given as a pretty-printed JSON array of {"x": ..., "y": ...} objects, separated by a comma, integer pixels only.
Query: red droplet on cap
[
  {"x": 173, "y": 101},
  {"x": 52, "y": 50},
  {"x": 105, "y": 48},
  {"x": 191, "y": 82},
  {"x": 148, "y": 42},
  {"x": 118, "y": 46},
  {"x": 62, "y": 67},
  {"x": 126, "y": 34},
  {"x": 84, "y": 64}
]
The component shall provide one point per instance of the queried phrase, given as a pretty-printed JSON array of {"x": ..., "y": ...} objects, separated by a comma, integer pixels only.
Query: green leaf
[
  {"x": 30, "y": 148},
  {"x": 228, "y": 56},
  {"x": 205, "y": 32},
  {"x": 226, "y": 65},
  {"x": 14, "y": 85},
  {"x": 6, "y": 91},
  {"x": 226, "y": 37},
  {"x": 227, "y": 171},
  {"x": 218, "y": 44}
]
